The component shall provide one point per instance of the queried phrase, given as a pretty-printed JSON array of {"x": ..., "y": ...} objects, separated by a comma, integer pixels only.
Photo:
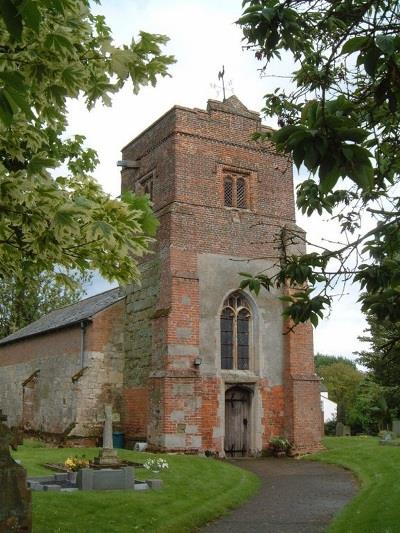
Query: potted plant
[{"x": 279, "y": 446}]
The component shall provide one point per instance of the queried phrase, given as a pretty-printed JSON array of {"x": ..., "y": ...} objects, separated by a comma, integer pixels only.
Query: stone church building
[{"x": 194, "y": 364}]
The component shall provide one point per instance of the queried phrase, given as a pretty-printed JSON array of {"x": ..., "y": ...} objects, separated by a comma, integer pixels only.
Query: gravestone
[
  {"x": 15, "y": 497},
  {"x": 396, "y": 428},
  {"x": 342, "y": 430},
  {"x": 385, "y": 438},
  {"x": 107, "y": 456}
]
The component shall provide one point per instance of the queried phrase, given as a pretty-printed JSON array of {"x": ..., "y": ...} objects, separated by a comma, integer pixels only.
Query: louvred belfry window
[
  {"x": 145, "y": 185},
  {"x": 235, "y": 191},
  {"x": 235, "y": 333}
]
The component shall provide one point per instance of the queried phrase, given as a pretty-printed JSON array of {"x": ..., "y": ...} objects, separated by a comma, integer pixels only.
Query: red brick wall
[
  {"x": 211, "y": 399},
  {"x": 63, "y": 341},
  {"x": 135, "y": 413},
  {"x": 190, "y": 150},
  {"x": 273, "y": 404},
  {"x": 302, "y": 389},
  {"x": 105, "y": 328}
]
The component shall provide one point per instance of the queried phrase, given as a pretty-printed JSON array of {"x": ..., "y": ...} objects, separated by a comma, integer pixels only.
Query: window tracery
[{"x": 235, "y": 333}]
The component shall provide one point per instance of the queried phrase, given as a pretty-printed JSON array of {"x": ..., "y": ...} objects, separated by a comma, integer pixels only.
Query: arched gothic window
[{"x": 235, "y": 333}]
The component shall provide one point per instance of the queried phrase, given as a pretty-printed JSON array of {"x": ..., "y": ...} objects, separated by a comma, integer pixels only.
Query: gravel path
[{"x": 295, "y": 497}]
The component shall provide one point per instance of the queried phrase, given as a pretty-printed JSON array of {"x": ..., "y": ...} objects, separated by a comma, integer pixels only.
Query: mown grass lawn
[
  {"x": 376, "y": 508},
  {"x": 196, "y": 489}
]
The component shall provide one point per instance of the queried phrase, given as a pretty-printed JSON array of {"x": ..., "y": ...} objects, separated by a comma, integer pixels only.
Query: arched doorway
[{"x": 237, "y": 421}]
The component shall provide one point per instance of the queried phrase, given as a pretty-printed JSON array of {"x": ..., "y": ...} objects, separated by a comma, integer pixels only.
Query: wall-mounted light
[
  {"x": 197, "y": 361},
  {"x": 126, "y": 163}
]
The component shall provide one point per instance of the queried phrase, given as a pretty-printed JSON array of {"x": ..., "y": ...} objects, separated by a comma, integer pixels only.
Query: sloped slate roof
[{"x": 69, "y": 315}]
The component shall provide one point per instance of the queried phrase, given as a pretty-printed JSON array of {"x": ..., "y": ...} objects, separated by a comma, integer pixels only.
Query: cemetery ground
[
  {"x": 375, "y": 509},
  {"x": 198, "y": 489},
  {"x": 195, "y": 490}
]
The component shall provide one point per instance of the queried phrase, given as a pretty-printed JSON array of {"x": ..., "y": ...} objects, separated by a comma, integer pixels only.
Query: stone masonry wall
[
  {"x": 57, "y": 358},
  {"x": 141, "y": 305},
  {"x": 66, "y": 393},
  {"x": 104, "y": 369}
]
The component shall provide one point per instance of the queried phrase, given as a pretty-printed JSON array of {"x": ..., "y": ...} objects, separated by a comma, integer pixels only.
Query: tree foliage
[
  {"x": 341, "y": 380},
  {"x": 52, "y": 51},
  {"x": 23, "y": 301},
  {"x": 323, "y": 360},
  {"x": 341, "y": 123},
  {"x": 370, "y": 411},
  {"x": 382, "y": 359}
]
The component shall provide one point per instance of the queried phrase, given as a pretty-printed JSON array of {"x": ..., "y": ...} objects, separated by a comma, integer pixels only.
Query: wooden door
[{"x": 237, "y": 421}]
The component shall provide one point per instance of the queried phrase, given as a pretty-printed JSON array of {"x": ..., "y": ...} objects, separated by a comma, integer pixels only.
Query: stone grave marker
[
  {"x": 396, "y": 428},
  {"x": 107, "y": 456},
  {"x": 386, "y": 438},
  {"x": 15, "y": 497},
  {"x": 342, "y": 430}
]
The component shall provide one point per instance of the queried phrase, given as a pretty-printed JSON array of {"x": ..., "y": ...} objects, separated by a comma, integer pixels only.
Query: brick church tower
[{"x": 207, "y": 367}]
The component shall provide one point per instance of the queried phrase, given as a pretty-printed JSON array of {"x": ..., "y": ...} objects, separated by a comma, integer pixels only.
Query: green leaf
[
  {"x": 18, "y": 100},
  {"x": 356, "y": 135},
  {"x": 282, "y": 135},
  {"x": 12, "y": 19},
  {"x": 31, "y": 15},
  {"x": 6, "y": 112},
  {"x": 371, "y": 61},
  {"x": 298, "y": 156},
  {"x": 354, "y": 44},
  {"x": 14, "y": 79},
  {"x": 39, "y": 162},
  {"x": 329, "y": 179},
  {"x": 364, "y": 177},
  {"x": 59, "y": 43},
  {"x": 386, "y": 43},
  {"x": 101, "y": 229}
]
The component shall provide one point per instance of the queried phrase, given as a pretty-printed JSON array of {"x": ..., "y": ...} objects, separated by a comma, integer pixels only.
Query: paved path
[{"x": 295, "y": 497}]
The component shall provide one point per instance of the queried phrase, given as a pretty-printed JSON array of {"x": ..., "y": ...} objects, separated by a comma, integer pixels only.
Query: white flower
[{"x": 155, "y": 465}]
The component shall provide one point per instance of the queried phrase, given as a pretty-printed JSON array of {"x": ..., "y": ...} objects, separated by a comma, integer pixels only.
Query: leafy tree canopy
[
  {"x": 382, "y": 359},
  {"x": 341, "y": 380},
  {"x": 340, "y": 122},
  {"x": 23, "y": 301},
  {"x": 52, "y": 51},
  {"x": 370, "y": 411},
  {"x": 322, "y": 360}
]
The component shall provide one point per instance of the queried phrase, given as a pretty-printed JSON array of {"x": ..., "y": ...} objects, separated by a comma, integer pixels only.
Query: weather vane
[
  {"x": 221, "y": 78},
  {"x": 221, "y": 75}
]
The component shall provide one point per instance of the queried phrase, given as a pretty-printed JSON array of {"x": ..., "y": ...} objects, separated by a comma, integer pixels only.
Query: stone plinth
[
  {"x": 106, "y": 479},
  {"x": 107, "y": 457}
]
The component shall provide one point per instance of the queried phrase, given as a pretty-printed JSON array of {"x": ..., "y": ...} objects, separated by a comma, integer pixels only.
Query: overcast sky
[{"x": 203, "y": 37}]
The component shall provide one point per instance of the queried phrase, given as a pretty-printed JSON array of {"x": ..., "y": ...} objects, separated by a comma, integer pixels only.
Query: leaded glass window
[
  {"x": 228, "y": 191},
  {"x": 227, "y": 317},
  {"x": 241, "y": 193},
  {"x": 235, "y": 333},
  {"x": 235, "y": 191}
]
